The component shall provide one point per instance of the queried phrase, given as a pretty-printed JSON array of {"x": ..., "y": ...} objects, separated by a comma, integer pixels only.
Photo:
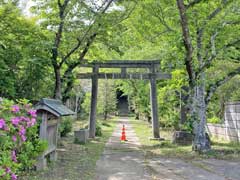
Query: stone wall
[{"x": 230, "y": 129}]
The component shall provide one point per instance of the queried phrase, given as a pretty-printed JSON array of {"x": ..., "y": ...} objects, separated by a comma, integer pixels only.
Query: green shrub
[
  {"x": 98, "y": 130},
  {"x": 214, "y": 120},
  {"x": 65, "y": 126},
  {"x": 86, "y": 103},
  {"x": 106, "y": 124},
  {"x": 187, "y": 126}
]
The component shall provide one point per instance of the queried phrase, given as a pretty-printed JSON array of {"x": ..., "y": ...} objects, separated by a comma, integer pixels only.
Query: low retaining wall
[
  {"x": 230, "y": 129},
  {"x": 222, "y": 132}
]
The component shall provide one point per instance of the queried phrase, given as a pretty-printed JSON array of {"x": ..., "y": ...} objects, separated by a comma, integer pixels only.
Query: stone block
[
  {"x": 230, "y": 108},
  {"x": 237, "y": 108},
  {"x": 81, "y": 135},
  {"x": 230, "y": 124},
  {"x": 228, "y": 116},
  {"x": 238, "y": 124},
  {"x": 182, "y": 138}
]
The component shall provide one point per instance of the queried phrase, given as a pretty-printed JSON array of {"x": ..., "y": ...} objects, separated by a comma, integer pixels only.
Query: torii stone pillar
[
  {"x": 93, "y": 110},
  {"x": 154, "y": 104}
]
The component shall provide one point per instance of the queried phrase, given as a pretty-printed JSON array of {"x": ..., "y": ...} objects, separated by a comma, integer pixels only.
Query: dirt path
[
  {"x": 126, "y": 161},
  {"x": 208, "y": 169},
  {"x": 122, "y": 161}
]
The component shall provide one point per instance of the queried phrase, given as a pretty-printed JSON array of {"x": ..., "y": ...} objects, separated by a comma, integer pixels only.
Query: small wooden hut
[{"x": 50, "y": 111}]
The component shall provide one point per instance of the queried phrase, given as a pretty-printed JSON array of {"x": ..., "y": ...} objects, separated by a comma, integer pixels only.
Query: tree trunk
[
  {"x": 201, "y": 142},
  {"x": 105, "y": 115},
  {"x": 57, "y": 89},
  {"x": 69, "y": 86}
]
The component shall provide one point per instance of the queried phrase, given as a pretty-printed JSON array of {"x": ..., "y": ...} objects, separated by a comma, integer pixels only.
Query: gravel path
[{"x": 122, "y": 161}]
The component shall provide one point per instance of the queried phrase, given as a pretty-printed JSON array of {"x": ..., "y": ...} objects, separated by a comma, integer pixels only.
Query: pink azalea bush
[{"x": 19, "y": 142}]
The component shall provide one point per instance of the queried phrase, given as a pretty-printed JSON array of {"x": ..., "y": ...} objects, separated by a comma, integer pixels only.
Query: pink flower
[
  {"x": 8, "y": 170},
  {"x": 14, "y": 157},
  {"x": 33, "y": 113},
  {"x": 24, "y": 118},
  {"x": 14, "y": 138},
  {"x": 32, "y": 122},
  {"x": 6, "y": 128},
  {"x": 13, "y": 176},
  {"x": 2, "y": 124},
  {"x": 24, "y": 138},
  {"x": 29, "y": 124},
  {"x": 27, "y": 119},
  {"x": 15, "y": 108},
  {"x": 22, "y": 131},
  {"x": 15, "y": 121}
]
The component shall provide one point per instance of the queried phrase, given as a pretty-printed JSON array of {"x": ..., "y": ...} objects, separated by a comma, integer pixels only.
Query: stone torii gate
[{"x": 153, "y": 75}]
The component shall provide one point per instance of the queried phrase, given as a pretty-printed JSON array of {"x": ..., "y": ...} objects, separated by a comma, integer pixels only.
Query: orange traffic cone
[{"x": 123, "y": 137}]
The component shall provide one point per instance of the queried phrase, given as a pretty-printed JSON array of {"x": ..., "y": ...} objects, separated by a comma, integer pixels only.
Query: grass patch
[
  {"x": 220, "y": 149},
  {"x": 76, "y": 161}
]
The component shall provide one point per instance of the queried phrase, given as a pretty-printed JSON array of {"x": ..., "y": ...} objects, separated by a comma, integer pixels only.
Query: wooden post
[
  {"x": 42, "y": 161},
  {"x": 154, "y": 105},
  {"x": 53, "y": 155},
  {"x": 93, "y": 110}
]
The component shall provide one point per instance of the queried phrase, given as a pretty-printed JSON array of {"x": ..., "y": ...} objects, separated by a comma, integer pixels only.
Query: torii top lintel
[
  {"x": 152, "y": 65},
  {"x": 122, "y": 64}
]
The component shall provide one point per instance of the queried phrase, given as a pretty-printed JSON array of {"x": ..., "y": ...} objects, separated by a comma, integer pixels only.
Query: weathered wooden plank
[
  {"x": 43, "y": 126},
  {"x": 125, "y": 76},
  {"x": 49, "y": 150},
  {"x": 52, "y": 122}
]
